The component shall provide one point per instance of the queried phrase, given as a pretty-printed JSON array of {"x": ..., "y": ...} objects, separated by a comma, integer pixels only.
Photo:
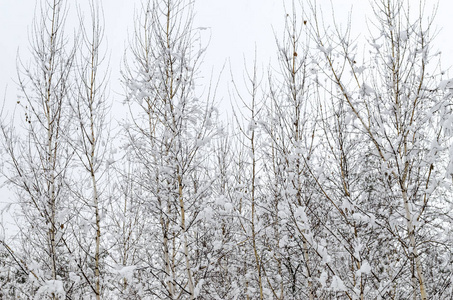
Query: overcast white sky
[{"x": 235, "y": 26}]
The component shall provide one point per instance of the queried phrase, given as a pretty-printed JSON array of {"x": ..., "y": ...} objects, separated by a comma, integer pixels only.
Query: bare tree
[
  {"x": 291, "y": 130},
  {"x": 334, "y": 182},
  {"x": 394, "y": 100},
  {"x": 247, "y": 118},
  {"x": 90, "y": 142},
  {"x": 168, "y": 139},
  {"x": 39, "y": 157}
]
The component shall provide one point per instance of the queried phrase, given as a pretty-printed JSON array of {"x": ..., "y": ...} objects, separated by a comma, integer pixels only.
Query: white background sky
[{"x": 236, "y": 26}]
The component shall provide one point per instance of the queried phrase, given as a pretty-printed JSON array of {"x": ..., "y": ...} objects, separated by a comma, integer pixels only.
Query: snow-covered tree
[
  {"x": 334, "y": 181},
  {"x": 393, "y": 100},
  {"x": 169, "y": 135},
  {"x": 290, "y": 126},
  {"x": 88, "y": 139},
  {"x": 38, "y": 156}
]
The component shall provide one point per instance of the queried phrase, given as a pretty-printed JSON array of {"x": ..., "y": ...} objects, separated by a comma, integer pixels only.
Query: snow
[
  {"x": 74, "y": 277},
  {"x": 404, "y": 36},
  {"x": 50, "y": 287},
  {"x": 365, "y": 268},
  {"x": 326, "y": 51},
  {"x": 367, "y": 90},
  {"x": 300, "y": 213},
  {"x": 446, "y": 84},
  {"x": 337, "y": 284},
  {"x": 127, "y": 272},
  {"x": 228, "y": 206},
  {"x": 323, "y": 278}
]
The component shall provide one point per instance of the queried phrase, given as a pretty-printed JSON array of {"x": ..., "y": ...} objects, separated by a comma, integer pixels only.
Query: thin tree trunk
[
  {"x": 98, "y": 221},
  {"x": 184, "y": 232},
  {"x": 168, "y": 272},
  {"x": 255, "y": 251},
  {"x": 411, "y": 233},
  {"x": 51, "y": 153}
]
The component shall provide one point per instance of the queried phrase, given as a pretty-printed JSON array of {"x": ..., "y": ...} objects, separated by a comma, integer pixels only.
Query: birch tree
[
  {"x": 291, "y": 132},
  {"x": 38, "y": 156},
  {"x": 89, "y": 108},
  {"x": 168, "y": 140},
  {"x": 394, "y": 98},
  {"x": 248, "y": 183}
]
